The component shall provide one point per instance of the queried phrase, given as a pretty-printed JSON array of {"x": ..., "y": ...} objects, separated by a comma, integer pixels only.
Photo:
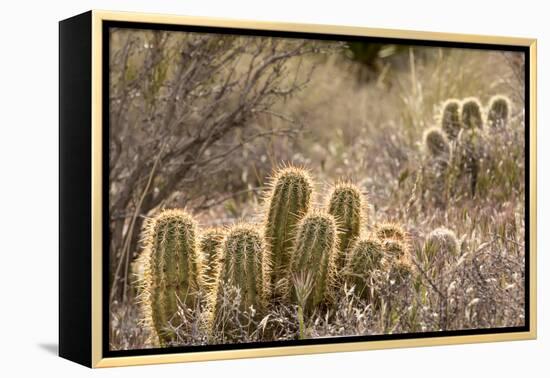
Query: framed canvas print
[{"x": 235, "y": 189}]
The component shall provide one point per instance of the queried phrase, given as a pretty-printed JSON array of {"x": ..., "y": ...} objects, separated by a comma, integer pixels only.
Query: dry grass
[{"x": 371, "y": 133}]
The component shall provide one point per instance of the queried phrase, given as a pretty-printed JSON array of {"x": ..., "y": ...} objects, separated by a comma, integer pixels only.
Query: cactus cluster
[
  {"x": 455, "y": 148},
  {"x": 303, "y": 253}
]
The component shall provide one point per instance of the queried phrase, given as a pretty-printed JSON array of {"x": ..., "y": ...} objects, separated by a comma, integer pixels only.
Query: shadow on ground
[{"x": 51, "y": 348}]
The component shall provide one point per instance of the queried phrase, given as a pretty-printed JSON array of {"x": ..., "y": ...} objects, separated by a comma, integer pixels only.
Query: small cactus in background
[
  {"x": 440, "y": 243},
  {"x": 498, "y": 114},
  {"x": 397, "y": 260},
  {"x": 389, "y": 230},
  {"x": 400, "y": 271},
  {"x": 172, "y": 270},
  {"x": 450, "y": 119},
  {"x": 288, "y": 200},
  {"x": 365, "y": 256},
  {"x": 345, "y": 205},
  {"x": 470, "y": 152},
  {"x": 471, "y": 114},
  {"x": 436, "y": 143},
  {"x": 209, "y": 242},
  {"x": 436, "y": 167},
  {"x": 395, "y": 249},
  {"x": 243, "y": 264},
  {"x": 314, "y": 254}
]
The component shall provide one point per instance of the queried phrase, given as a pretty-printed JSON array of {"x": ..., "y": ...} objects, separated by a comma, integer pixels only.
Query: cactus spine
[
  {"x": 314, "y": 254},
  {"x": 499, "y": 111},
  {"x": 365, "y": 256},
  {"x": 346, "y": 207},
  {"x": 172, "y": 270},
  {"x": 471, "y": 114},
  {"x": 289, "y": 198},
  {"x": 243, "y": 265},
  {"x": 450, "y": 118}
]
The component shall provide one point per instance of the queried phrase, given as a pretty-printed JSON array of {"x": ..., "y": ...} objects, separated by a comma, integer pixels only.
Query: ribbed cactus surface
[
  {"x": 345, "y": 205},
  {"x": 365, "y": 256},
  {"x": 314, "y": 254},
  {"x": 288, "y": 200},
  {"x": 450, "y": 118},
  {"x": 243, "y": 264},
  {"x": 172, "y": 270}
]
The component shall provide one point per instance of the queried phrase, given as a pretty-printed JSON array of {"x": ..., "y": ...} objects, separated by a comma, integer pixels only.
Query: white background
[{"x": 29, "y": 174}]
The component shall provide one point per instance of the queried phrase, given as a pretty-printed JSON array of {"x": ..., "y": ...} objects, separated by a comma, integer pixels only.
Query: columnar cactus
[
  {"x": 172, "y": 271},
  {"x": 471, "y": 115},
  {"x": 470, "y": 151},
  {"x": 441, "y": 243},
  {"x": 389, "y": 230},
  {"x": 365, "y": 256},
  {"x": 314, "y": 254},
  {"x": 436, "y": 166},
  {"x": 498, "y": 114},
  {"x": 345, "y": 205},
  {"x": 450, "y": 118},
  {"x": 209, "y": 242},
  {"x": 242, "y": 265},
  {"x": 288, "y": 200}
]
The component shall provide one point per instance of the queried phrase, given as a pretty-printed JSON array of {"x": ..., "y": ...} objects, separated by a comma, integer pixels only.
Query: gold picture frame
[{"x": 81, "y": 257}]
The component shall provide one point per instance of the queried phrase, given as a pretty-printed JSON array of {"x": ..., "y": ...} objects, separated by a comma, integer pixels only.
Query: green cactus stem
[
  {"x": 450, "y": 119},
  {"x": 499, "y": 111},
  {"x": 345, "y": 204},
  {"x": 172, "y": 273},
  {"x": 209, "y": 243},
  {"x": 288, "y": 200},
  {"x": 471, "y": 114},
  {"x": 244, "y": 265},
  {"x": 314, "y": 254},
  {"x": 365, "y": 257},
  {"x": 470, "y": 152}
]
